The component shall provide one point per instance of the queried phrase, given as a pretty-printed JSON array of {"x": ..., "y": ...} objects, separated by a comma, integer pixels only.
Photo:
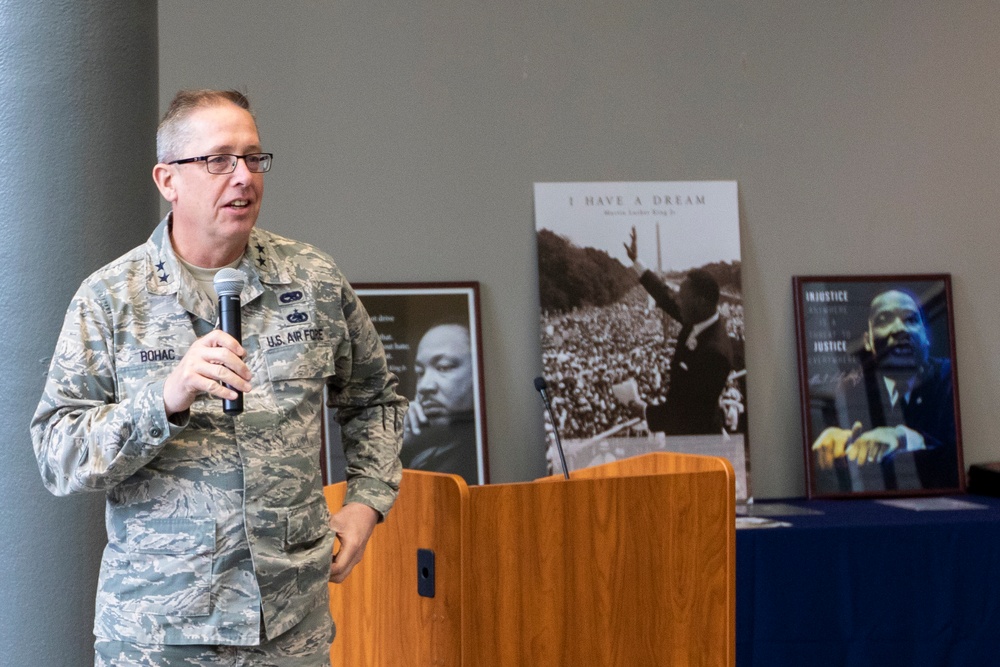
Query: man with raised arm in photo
[
  {"x": 700, "y": 366},
  {"x": 899, "y": 426},
  {"x": 220, "y": 545}
]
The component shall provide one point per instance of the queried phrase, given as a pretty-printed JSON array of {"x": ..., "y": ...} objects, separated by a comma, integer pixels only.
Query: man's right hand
[
  {"x": 637, "y": 408},
  {"x": 212, "y": 360},
  {"x": 832, "y": 444},
  {"x": 632, "y": 248},
  {"x": 415, "y": 418}
]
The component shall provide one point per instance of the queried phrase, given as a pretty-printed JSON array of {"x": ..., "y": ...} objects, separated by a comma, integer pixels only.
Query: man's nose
[
  {"x": 426, "y": 384},
  {"x": 897, "y": 325},
  {"x": 242, "y": 173}
]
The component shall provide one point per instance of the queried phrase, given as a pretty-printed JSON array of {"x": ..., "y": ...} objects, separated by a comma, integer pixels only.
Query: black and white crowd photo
[{"x": 642, "y": 323}]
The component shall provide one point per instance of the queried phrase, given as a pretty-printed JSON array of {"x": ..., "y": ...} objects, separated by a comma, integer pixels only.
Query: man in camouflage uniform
[{"x": 219, "y": 539}]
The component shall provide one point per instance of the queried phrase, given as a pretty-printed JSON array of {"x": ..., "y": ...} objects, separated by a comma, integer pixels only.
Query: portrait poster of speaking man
[
  {"x": 878, "y": 384},
  {"x": 642, "y": 321},
  {"x": 431, "y": 336}
]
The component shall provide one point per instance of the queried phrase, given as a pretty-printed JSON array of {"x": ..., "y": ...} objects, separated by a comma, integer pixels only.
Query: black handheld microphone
[
  {"x": 540, "y": 387},
  {"x": 229, "y": 284}
]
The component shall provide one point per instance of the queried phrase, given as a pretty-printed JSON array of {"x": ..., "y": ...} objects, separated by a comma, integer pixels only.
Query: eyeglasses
[{"x": 225, "y": 163}]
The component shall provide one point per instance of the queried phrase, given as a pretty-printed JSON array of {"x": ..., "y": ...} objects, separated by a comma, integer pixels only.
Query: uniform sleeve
[
  {"x": 84, "y": 438},
  {"x": 369, "y": 410}
]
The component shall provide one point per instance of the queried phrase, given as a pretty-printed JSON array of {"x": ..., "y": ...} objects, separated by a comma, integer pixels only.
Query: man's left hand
[
  {"x": 353, "y": 525},
  {"x": 874, "y": 445}
]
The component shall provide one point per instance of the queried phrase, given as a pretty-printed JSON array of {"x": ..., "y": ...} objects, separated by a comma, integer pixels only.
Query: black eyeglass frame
[{"x": 268, "y": 157}]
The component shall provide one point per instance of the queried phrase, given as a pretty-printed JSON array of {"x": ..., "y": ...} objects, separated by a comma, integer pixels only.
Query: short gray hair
[{"x": 173, "y": 131}]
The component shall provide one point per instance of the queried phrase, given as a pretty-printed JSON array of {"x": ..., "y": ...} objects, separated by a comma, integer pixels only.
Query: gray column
[{"x": 78, "y": 113}]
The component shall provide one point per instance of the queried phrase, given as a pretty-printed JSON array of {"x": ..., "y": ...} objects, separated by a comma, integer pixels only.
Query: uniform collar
[{"x": 165, "y": 275}]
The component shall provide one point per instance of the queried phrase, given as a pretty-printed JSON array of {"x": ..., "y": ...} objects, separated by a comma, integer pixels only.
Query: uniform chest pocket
[
  {"x": 299, "y": 362},
  {"x": 298, "y": 372},
  {"x": 171, "y": 566}
]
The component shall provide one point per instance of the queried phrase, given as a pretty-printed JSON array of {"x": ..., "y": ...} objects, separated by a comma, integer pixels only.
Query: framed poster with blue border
[{"x": 878, "y": 385}]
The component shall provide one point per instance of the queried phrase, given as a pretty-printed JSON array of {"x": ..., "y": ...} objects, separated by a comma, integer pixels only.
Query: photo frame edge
[{"x": 798, "y": 282}]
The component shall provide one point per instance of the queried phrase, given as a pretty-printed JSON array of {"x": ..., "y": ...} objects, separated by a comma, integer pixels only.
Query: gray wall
[
  {"x": 78, "y": 92},
  {"x": 408, "y": 133}
]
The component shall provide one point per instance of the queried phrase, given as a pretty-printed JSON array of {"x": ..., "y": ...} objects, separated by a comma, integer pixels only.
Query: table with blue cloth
[{"x": 864, "y": 583}]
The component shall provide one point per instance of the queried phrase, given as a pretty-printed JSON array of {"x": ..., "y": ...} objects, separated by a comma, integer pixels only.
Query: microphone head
[
  {"x": 540, "y": 384},
  {"x": 229, "y": 282}
]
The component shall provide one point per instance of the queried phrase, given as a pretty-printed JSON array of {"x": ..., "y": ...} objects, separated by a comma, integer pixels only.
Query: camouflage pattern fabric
[
  {"x": 215, "y": 520},
  {"x": 305, "y": 645}
]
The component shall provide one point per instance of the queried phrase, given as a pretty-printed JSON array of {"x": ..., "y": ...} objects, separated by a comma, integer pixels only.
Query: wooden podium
[{"x": 630, "y": 563}]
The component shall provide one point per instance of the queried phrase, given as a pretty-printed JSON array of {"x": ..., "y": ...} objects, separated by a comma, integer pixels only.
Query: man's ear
[{"x": 163, "y": 176}]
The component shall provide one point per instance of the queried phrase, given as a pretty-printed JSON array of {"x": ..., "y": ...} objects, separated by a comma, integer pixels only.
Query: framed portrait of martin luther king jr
[
  {"x": 878, "y": 385},
  {"x": 433, "y": 343}
]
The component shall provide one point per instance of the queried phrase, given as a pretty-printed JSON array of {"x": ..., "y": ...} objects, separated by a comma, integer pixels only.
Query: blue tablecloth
[{"x": 868, "y": 584}]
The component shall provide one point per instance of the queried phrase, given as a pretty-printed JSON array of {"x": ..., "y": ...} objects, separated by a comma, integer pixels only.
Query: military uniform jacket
[{"x": 215, "y": 520}]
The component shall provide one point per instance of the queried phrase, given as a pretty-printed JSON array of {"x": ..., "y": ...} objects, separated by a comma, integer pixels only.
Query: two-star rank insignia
[{"x": 164, "y": 275}]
